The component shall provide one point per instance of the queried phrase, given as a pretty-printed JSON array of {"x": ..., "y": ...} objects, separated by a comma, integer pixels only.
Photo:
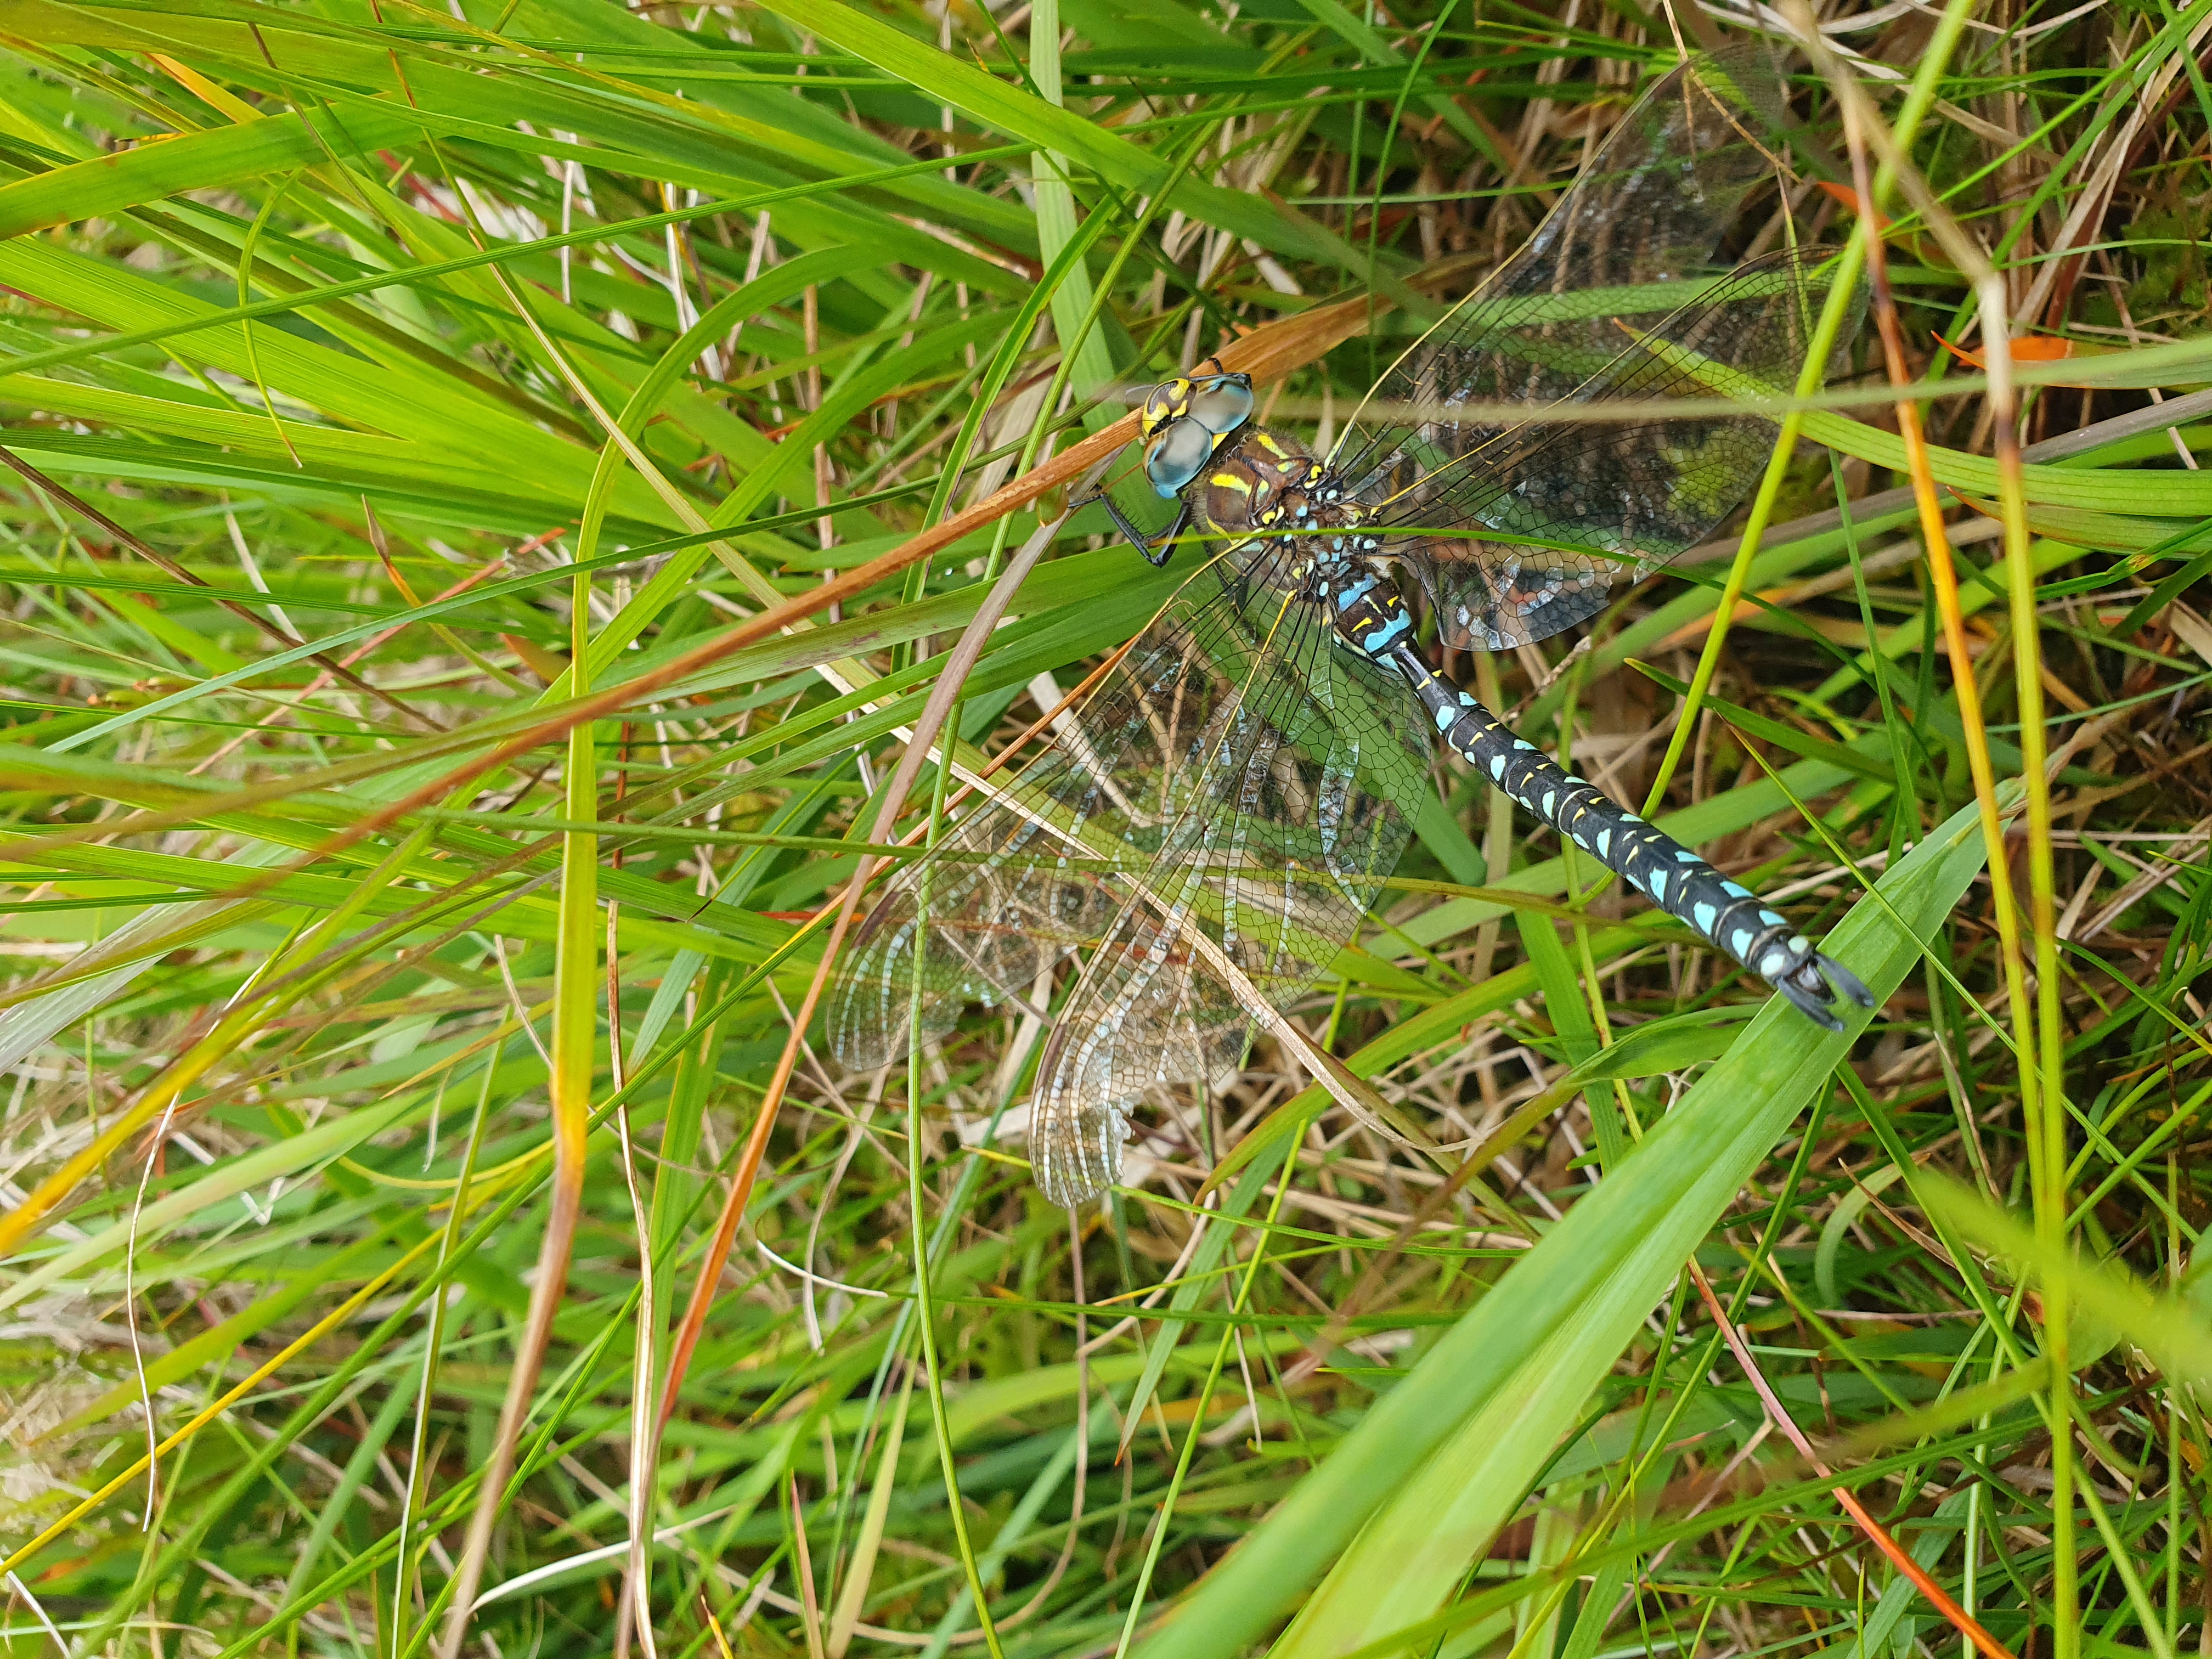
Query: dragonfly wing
[
  {"x": 1604, "y": 304},
  {"x": 1021, "y": 880},
  {"x": 1631, "y": 236},
  {"x": 1295, "y": 768},
  {"x": 997, "y": 919},
  {"x": 1586, "y": 503},
  {"x": 1049, "y": 862}
]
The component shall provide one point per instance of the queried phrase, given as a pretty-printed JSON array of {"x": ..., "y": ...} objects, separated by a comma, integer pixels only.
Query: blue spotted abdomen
[
  {"x": 1724, "y": 912},
  {"x": 1363, "y": 606}
]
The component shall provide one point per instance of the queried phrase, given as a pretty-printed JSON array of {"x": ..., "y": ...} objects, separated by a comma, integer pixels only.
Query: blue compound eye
[
  {"x": 1222, "y": 404},
  {"x": 1176, "y": 456}
]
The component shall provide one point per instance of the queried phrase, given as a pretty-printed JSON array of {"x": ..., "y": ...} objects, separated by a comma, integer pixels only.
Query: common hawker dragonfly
[{"x": 1212, "y": 827}]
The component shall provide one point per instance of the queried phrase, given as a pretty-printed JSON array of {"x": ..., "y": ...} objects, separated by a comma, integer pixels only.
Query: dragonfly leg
[
  {"x": 1165, "y": 542},
  {"x": 1724, "y": 912}
]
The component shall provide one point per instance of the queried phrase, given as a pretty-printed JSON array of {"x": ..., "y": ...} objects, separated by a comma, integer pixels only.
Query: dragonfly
[{"x": 1214, "y": 826}]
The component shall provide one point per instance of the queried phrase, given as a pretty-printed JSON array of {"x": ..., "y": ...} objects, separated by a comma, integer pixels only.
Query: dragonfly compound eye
[
  {"x": 1223, "y": 404},
  {"x": 1176, "y": 455}
]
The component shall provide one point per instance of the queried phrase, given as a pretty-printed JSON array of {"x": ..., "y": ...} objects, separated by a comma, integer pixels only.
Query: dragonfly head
[{"x": 1186, "y": 419}]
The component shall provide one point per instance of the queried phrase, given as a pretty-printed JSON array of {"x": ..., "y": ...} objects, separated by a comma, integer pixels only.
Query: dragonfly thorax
[
  {"x": 1259, "y": 482},
  {"x": 1271, "y": 489},
  {"x": 1261, "y": 485}
]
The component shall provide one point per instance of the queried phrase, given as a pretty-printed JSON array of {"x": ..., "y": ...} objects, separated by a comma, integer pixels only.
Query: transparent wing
[
  {"x": 1225, "y": 810},
  {"x": 1604, "y": 304},
  {"x": 1580, "y": 504},
  {"x": 1298, "y": 765},
  {"x": 1021, "y": 880},
  {"x": 1636, "y": 233}
]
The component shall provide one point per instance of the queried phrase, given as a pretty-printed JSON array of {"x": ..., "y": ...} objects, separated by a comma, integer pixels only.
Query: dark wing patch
[
  {"x": 1604, "y": 304},
  {"x": 1589, "y": 504}
]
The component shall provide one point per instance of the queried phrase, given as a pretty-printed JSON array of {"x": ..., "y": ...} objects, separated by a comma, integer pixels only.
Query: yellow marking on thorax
[{"x": 1230, "y": 481}]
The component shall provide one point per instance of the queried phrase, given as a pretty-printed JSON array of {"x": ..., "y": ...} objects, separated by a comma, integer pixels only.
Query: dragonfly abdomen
[
  {"x": 1363, "y": 605},
  {"x": 1725, "y": 913}
]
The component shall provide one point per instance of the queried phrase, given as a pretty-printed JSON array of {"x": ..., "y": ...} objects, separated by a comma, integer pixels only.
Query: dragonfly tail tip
[{"x": 1819, "y": 984}]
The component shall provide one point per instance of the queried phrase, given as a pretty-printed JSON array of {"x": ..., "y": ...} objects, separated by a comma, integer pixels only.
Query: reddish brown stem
[{"x": 1960, "y": 1620}]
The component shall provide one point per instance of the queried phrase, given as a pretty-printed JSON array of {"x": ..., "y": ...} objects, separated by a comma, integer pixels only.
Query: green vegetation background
[{"x": 409, "y": 876}]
